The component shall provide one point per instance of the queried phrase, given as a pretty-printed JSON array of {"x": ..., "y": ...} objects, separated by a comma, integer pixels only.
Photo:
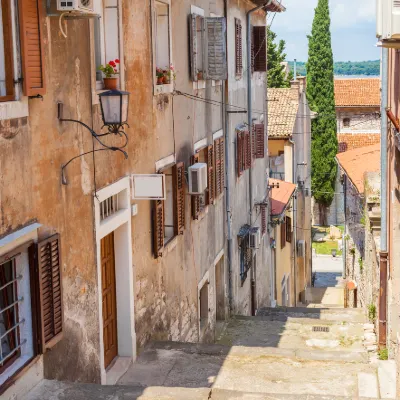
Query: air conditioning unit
[
  {"x": 198, "y": 178},
  {"x": 82, "y": 6},
  {"x": 254, "y": 238},
  {"x": 301, "y": 248},
  {"x": 388, "y": 20}
]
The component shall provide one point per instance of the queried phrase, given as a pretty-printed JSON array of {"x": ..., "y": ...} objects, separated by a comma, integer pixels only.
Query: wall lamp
[{"x": 114, "y": 112}]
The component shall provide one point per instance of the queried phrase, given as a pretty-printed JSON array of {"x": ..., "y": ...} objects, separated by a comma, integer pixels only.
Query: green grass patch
[
  {"x": 383, "y": 354},
  {"x": 326, "y": 247}
]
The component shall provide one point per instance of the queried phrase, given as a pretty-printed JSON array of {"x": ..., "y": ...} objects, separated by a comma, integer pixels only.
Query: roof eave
[{"x": 274, "y": 6}]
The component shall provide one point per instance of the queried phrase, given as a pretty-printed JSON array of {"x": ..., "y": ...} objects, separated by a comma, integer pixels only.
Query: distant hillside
[{"x": 368, "y": 68}]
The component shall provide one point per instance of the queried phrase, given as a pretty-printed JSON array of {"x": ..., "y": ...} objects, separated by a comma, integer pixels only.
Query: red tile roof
[
  {"x": 281, "y": 196},
  {"x": 358, "y": 92},
  {"x": 356, "y": 163},
  {"x": 351, "y": 141}
]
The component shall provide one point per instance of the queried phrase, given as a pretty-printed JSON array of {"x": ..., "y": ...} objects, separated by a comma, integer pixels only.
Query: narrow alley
[{"x": 283, "y": 353}]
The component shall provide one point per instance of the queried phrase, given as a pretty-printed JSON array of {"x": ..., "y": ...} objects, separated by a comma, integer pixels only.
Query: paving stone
[
  {"x": 368, "y": 385},
  {"x": 387, "y": 379}
]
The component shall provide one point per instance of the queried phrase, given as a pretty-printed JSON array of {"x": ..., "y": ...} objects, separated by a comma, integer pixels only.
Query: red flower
[
  {"x": 115, "y": 70},
  {"x": 112, "y": 63},
  {"x": 117, "y": 60}
]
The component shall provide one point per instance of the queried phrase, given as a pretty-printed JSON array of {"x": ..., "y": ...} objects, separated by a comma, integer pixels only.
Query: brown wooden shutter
[
  {"x": 158, "y": 228},
  {"x": 31, "y": 31},
  {"x": 193, "y": 46},
  {"x": 289, "y": 229},
  {"x": 260, "y": 141},
  {"x": 195, "y": 198},
  {"x": 50, "y": 291},
  {"x": 263, "y": 219},
  {"x": 35, "y": 299},
  {"x": 283, "y": 233},
  {"x": 248, "y": 150},
  {"x": 239, "y": 153},
  {"x": 238, "y": 47},
  {"x": 253, "y": 144},
  {"x": 179, "y": 199},
  {"x": 260, "y": 48},
  {"x": 217, "y": 168},
  {"x": 222, "y": 164},
  {"x": 7, "y": 19},
  {"x": 210, "y": 175}
]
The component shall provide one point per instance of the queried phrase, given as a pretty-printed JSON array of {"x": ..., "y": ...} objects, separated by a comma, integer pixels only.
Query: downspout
[
  {"x": 383, "y": 257},
  {"x": 249, "y": 98},
  {"x": 294, "y": 172},
  {"x": 225, "y": 117}
]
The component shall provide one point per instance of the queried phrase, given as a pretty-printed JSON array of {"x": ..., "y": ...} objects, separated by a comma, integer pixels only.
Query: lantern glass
[{"x": 114, "y": 107}]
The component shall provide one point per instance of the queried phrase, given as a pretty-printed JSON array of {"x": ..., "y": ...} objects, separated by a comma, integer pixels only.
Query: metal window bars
[{"x": 109, "y": 206}]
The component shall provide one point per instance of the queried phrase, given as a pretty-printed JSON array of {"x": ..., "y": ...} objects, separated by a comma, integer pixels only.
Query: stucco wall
[{"x": 361, "y": 120}]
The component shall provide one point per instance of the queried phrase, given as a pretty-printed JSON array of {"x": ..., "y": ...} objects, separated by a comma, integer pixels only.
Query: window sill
[
  {"x": 14, "y": 109},
  {"x": 200, "y": 84},
  {"x": 163, "y": 89},
  {"x": 170, "y": 245}
]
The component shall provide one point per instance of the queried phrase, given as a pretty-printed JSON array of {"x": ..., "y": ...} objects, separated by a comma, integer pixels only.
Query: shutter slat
[
  {"x": 31, "y": 12},
  {"x": 50, "y": 291}
]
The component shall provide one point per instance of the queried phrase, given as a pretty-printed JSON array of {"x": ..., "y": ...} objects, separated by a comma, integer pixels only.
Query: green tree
[
  {"x": 276, "y": 76},
  {"x": 320, "y": 95}
]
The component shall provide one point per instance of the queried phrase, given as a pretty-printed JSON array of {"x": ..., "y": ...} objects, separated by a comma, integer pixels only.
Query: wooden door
[{"x": 109, "y": 299}]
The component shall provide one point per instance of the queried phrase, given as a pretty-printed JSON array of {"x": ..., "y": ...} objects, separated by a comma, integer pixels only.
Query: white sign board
[{"x": 148, "y": 187}]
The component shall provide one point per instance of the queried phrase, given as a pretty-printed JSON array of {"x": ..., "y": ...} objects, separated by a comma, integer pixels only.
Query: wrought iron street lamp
[{"x": 114, "y": 112}]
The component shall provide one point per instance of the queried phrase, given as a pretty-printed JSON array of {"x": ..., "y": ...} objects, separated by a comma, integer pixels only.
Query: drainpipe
[
  {"x": 295, "y": 70},
  {"x": 225, "y": 98},
  {"x": 249, "y": 97},
  {"x": 383, "y": 258},
  {"x": 294, "y": 173}
]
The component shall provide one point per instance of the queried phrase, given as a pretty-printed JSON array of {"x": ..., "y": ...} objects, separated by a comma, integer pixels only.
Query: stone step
[{"x": 387, "y": 379}]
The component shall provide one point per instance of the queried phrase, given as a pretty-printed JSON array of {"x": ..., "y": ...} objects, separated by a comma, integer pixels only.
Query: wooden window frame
[{"x": 8, "y": 50}]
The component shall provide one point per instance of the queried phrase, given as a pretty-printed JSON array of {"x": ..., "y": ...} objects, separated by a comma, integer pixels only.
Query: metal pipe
[
  {"x": 294, "y": 173},
  {"x": 295, "y": 70},
  {"x": 225, "y": 116},
  {"x": 249, "y": 97},
  {"x": 383, "y": 262}
]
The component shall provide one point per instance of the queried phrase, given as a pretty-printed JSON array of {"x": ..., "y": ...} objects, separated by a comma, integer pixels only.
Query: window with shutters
[
  {"x": 283, "y": 233},
  {"x": 107, "y": 35},
  {"x": 208, "y": 56},
  {"x": 246, "y": 257},
  {"x": 264, "y": 221},
  {"x": 201, "y": 201},
  {"x": 162, "y": 47},
  {"x": 259, "y": 49},
  {"x": 31, "y": 306},
  {"x": 169, "y": 214},
  {"x": 289, "y": 229},
  {"x": 244, "y": 156},
  {"x": 238, "y": 48},
  {"x": 219, "y": 173},
  {"x": 259, "y": 145},
  {"x": 21, "y": 52}
]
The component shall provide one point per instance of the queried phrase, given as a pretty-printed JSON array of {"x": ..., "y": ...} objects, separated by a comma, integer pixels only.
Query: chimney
[{"x": 295, "y": 88}]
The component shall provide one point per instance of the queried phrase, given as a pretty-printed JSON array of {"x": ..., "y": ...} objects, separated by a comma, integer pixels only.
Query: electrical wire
[{"x": 60, "y": 24}]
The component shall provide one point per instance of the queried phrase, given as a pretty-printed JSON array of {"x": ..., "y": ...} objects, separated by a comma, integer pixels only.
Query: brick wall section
[{"x": 351, "y": 141}]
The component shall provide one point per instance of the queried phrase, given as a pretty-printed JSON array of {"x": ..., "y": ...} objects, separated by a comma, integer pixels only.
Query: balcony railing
[{"x": 277, "y": 175}]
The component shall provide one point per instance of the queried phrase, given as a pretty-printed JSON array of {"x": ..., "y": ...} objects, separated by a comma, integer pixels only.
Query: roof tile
[
  {"x": 358, "y": 92},
  {"x": 281, "y": 196},
  {"x": 351, "y": 141}
]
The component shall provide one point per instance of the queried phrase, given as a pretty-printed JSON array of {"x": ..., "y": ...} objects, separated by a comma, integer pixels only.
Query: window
[
  {"x": 31, "y": 304},
  {"x": 346, "y": 122},
  {"x": 106, "y": 36},
  {"x": 244, "y": 158},
  {"x": 199, "y": 202},
  {"x": 208, "y": 48},
  {"x": 259, "y": 49},
  {"x": 238, "y": 48},
  {"x": 169, "y": 214},
  {"x": 204, "y": 306},
  {"x": 30, "y": 45},
  {"x": 246, "y": 257},
  {"x": 289, "y": 229}
]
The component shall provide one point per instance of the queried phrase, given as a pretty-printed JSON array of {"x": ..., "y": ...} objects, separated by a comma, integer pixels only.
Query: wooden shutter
[
  {"x": 221, "y": 142},
  {"x": 248, "y": 150},
  {"x": 283, "y": 233},
  {"x": 50, "y": 291},
  {"x": 195, "y": 198},
  {"x": 289, "y": 229},
  {"x": 158, "y": 228},
  {"x": 179, "y": 197},
  {"x": 6, "y": 15},
  {"x": 31, "y": 32},
  {"x": 210, "y": 175},
  {"x": 217, "y": 168},
  {"x": 253, "y": 144},
  {"x": 238, "y": 47},
  {"x": 193, "y": 46},
  {"x": 263, "y": 219},
  {"x": 260, "y": 141},
  {"x": 240, "y": 153},
  {"x": 260, "y": 48},
  {"x": 215, "y": 61}
]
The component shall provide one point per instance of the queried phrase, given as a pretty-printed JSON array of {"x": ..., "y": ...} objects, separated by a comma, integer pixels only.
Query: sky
[{"x": 352, "y": 27}]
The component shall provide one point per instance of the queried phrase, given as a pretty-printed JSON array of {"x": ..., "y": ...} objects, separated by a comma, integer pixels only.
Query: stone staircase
[{"x": 283, "y": 353}]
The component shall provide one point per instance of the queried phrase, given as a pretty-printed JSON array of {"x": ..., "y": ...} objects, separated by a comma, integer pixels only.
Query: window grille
[
  {"x": 10, "y": 343},
  {"x": 245, "y": 257},
  {"x": 109, "y": 206}
]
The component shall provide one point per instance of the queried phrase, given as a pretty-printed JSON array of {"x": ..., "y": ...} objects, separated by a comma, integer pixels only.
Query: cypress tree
[
  {"x": 321, "y": 98},
  {"x": 276, "y": 77}
]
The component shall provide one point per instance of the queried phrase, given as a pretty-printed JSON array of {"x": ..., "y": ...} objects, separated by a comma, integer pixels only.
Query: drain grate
[{"x": 320, "y": 329}]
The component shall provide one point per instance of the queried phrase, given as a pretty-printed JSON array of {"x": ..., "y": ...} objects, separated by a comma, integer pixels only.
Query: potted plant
[
  {"x": 169, "y": 74},
  {"x": 110, "y": 71},
  {"x": 160, "y": 76}
]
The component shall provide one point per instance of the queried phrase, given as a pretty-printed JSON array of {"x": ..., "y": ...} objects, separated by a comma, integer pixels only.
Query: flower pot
[
  {"x": 166, "y": 80},
  {"x": 199, "y": 76},
  {"x": 110, "y": 83},
  {"x": 160, "y": 80}
]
